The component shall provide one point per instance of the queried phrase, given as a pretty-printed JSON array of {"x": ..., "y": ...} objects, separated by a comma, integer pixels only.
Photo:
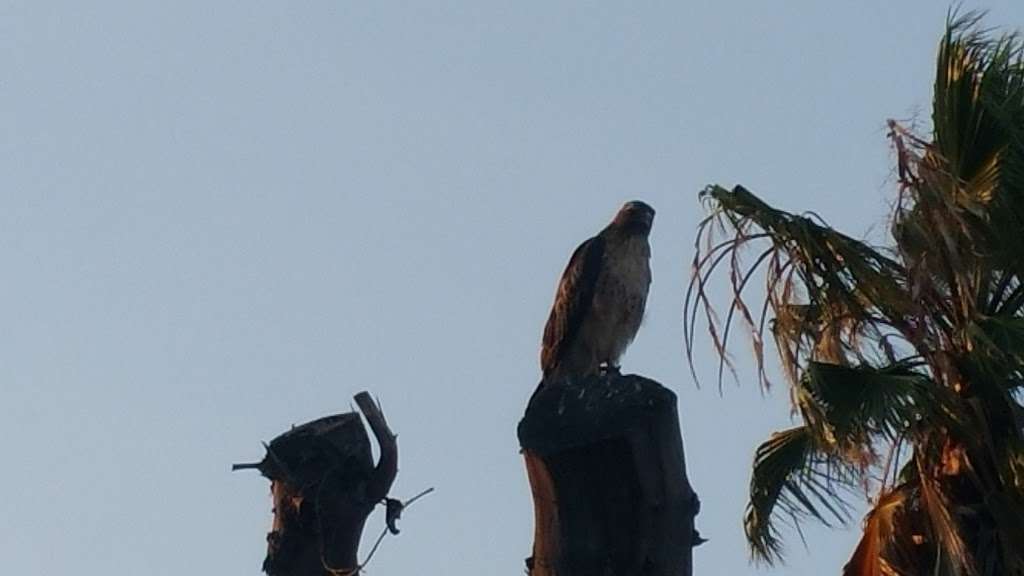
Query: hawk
[{"x": 600, "y": 299}]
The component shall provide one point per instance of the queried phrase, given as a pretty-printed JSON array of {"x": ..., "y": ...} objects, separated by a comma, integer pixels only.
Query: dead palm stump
[
  {"x": 604, "y": 457},
  {"x": 324, "y": 485}
]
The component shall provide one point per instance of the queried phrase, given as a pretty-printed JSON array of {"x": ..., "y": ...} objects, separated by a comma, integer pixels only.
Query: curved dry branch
[{"x": 387, "y": 465}]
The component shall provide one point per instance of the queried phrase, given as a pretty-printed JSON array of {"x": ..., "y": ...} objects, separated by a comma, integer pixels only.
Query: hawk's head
[{"x": 635, "y": 217}]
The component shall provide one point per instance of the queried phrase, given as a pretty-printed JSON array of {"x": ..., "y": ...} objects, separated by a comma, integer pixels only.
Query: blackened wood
[
  {"x": 605, "y": 461},
  {"x": 324, "y": 485},
  {"x": 387, "y": 466}
]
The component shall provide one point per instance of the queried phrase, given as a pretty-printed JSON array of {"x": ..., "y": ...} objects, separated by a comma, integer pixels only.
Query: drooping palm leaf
[
  {"x": 850, "y": 287},
  {"x": 794, "y": 478}
]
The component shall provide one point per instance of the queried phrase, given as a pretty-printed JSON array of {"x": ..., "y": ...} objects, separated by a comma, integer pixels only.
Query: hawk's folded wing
[{"x": 572, "y": 301}]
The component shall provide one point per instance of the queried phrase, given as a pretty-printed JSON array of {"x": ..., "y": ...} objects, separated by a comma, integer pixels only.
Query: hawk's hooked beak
[{"x": 648, "y": 216}]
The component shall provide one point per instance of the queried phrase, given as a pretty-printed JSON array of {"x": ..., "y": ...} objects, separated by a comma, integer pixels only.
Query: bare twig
[
  {"x": 380, "y": 538},
  {"x": 247, "y": 466}
]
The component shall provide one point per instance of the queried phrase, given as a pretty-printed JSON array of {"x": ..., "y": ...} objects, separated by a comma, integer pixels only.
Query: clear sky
[{"x": 222, "y": 218}]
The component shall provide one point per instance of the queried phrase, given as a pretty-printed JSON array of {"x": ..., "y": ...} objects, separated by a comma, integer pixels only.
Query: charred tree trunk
[
  {"x": 604, "y": 457},
  {"x": 324, "y": 485}
]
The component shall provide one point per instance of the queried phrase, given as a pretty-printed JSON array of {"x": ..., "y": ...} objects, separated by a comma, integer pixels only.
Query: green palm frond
[
  {"x": 805, "y": 471},
  {"x": 998, "y": 345},
  {"x": 795, "y": 479},
  {"x": 977, "y": 108},
  {"x": 855, "y": 405},
  {"x": 962, "y": 193},
  {"x": 966, "y": 136}
]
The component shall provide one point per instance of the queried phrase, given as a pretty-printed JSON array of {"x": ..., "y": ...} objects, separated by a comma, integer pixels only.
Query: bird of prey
[{"x": 600, "y": 299}]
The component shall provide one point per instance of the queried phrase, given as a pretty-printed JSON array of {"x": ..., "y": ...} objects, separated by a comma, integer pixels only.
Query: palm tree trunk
[
  {"x": 324, "y": 485},
  {"x": 604, "y": 457}
]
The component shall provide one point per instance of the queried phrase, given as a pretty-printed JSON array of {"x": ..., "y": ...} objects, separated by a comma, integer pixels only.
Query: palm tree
[{"x": 905, "y": 362}]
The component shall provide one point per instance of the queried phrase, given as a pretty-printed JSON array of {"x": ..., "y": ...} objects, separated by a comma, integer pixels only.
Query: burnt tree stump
[
  {"x": 324, "y": 485},
  {"x": 604, "y": 457}
]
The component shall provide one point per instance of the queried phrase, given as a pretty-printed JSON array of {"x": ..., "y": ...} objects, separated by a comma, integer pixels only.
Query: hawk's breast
[{"x": 621, "y": 295}]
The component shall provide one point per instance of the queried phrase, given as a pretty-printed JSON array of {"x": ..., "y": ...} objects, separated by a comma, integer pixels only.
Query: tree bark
[
  {"x": 324, "y": 485},
  {"x": 604, "y": 457}
]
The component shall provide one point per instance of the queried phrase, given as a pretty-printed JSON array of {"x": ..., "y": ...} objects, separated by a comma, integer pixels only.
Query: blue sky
[{"x": 220, "y": 219}]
